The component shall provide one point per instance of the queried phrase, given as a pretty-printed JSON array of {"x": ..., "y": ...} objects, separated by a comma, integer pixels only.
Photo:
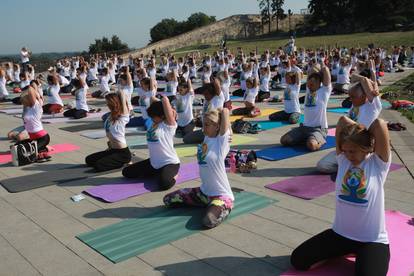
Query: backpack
[
  {"x": 243, "y": 127},
  {"x": 242, "y": 161}
]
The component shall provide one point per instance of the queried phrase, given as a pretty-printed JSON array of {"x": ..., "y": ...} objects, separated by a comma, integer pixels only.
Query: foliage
[{"x": 105, "y": 45}]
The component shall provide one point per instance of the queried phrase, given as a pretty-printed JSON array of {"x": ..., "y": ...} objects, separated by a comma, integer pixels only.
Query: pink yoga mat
[
  {"x": 332, "y": 132},
  {"x": 59, "y": 148},
  {"x": 310, "y": 186},
  {"x": 400, "y": 229},
  {"x": 62, "y": 119},
  {"x": 116, "y": 192}
]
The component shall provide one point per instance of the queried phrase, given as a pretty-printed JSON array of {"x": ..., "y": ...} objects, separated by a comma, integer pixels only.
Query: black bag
[
  {"x": 23, "y": 154},
  {"x": 243, "y": 127}
]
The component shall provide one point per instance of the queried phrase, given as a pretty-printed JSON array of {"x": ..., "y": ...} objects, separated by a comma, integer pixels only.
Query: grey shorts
[{"x": 301, "y": 134}]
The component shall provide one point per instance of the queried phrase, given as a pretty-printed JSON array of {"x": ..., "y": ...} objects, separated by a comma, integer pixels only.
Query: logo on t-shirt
[
  {"x": 354, "y": 188},
  {"x": 179, "y": 105},
  {"x": 142, "y": 101},
  {"x": 353, "y": 113},
  {"x": 310, "y": 99},
  {"x": 202, "y": 153},
  {"x": 152, "y": 133},
  {"x": 169, "y": 88},
  {"x": 107, "y": 123},
  {"x": 286, "y": 95},
  {"x": 341, "y": 71}
]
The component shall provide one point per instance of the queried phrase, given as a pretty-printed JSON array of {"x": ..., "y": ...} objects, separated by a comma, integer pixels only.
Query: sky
[{"x": 71, "y": 25}]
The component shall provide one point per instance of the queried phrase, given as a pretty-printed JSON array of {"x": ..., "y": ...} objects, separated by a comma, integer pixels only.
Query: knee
[
  {"x": 325, "y": 167},
  {"x": 166, "y": 182},
  {"x": 126, "y": 172},
  {"x": 298, "y": 260},
  {"x": 286, "y": 140},
  {"x": 89, "y": 160},
  {"x": 312, "y": 144}
]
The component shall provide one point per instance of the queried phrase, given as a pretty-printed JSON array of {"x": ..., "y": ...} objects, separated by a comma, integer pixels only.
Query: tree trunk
[
  {"x": 269, "y": 14},
  {"x": 277, "y": 23}
]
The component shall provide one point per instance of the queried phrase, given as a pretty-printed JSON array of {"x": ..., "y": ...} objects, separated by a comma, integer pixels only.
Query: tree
[
  {"x": 106, "y": 45},
  {"x": 265, "y": 12},
  {"x": 278, "y": 12},
  {"x": 164, "y": 29}
]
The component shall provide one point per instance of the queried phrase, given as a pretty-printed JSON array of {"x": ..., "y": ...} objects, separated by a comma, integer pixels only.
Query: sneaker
[{"x": 215, "y": 215}]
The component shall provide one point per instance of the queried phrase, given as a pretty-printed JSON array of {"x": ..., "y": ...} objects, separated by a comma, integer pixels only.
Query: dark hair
[
  {"x": 209, "y": 89},
  {"x": 315, "y": 76},
  {"x": 156, "y": 109},
  {"x": 123, "y": 77},
  {"x": 76, "y": 83},
  {"x": 365, "y": 73}
]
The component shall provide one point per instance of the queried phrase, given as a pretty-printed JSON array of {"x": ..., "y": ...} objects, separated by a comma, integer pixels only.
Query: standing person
[
  {"x": 24, "y": 56},
  {"x": 215, "y": 191},
  {"x": 163, "y": 163},
  {"x": 118, "y": 153},
  {"x": 364, "y": 159}
]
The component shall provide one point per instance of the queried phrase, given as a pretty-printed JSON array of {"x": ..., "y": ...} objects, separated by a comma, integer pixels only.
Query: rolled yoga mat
[
  {"x": 117, "y": 192},
  {"x": 310, "y": 186},
  {"x": 400, "y": 228},
  {"x": 131, "y": 237},
  {"x": 58, "y": 148},
  {"x": 282, "y": 152}
]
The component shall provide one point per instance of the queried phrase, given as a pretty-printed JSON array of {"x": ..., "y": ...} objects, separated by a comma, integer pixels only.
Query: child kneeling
[{"x": 215, "y": 191}]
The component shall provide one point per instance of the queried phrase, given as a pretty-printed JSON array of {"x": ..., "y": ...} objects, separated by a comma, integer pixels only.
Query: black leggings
[
  {"x": 42, "y": 142},
  {"x": 75, "y": 113},
  {"x": 371, "y": 258},
  {"x": 143, "y": 169},
  {"x": 108, "y": 159}
]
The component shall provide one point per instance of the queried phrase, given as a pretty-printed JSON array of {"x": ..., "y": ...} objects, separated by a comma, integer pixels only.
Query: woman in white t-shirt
[
  {"x": 252, "y": 90},
  {"x": 264, "y": 91},
  {"x": 103, "y": 85},
  {"x": 163, "y": 163},
  {"x": 81, "y": 110},
  {"x": 3, "y": 89},
  {"x": 215, "y": 191},
  {"x": 55, "y": 104},
  {"x": 184, "y": 108},
  {"x": 118, "y": 154},
  {"x": 364, "y": 159},
  {"x": 292, "y": 112}
]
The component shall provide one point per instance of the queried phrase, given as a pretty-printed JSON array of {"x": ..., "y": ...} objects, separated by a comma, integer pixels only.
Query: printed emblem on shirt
[
  {"x": 107, "y": 123},
  {"x": 287, "y": 94},
  {"x": 152, "y": 135},
  {"x": 354, "y": 187},
  {"x": 202, "y": 150},
  {"x": 310, "y": 99},
  {"x": 169, "y": 88},
  {"x": 179, "y": 105},
  {"x": 353, "y": 113},
  {"x": 341, "y": 71},
  {"x": 142, "y": 101}
]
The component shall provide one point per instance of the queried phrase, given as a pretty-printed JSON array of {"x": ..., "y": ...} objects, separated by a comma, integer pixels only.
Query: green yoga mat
[
  {"x": 132, "y": 237},
  {"x": 191, "y": 150}
]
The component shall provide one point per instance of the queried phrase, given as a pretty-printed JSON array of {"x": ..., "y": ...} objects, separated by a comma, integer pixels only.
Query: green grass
[
  {"x": 385, "y": 40},
  {"x": 403, "y": 90}
]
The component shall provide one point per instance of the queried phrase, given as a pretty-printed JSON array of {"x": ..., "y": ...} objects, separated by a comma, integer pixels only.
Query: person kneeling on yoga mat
[
  {"x": 250, "y": 110},
  {"x": 163, "y": 163},
  {"x": 81, "y": 110},
  {"x": 215, "y": 192},
  {"x": 117, "y": 154},
  {"x": 364, "y": 159},
  {"x": 32, "y": 115}
]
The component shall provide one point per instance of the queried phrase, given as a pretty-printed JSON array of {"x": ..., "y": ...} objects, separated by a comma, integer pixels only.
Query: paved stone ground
[{"x": 38, "y": 227}]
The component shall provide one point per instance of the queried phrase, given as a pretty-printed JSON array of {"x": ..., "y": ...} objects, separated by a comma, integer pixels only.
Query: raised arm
[
  {"x": 190, "y": 86},
  {"x": 298, "y": 77},
  {"x": 225, "y": 121},
  {"x": 379, "y": 131},
  {"x": 124, "y": 103},
  {"x": 129, "y": 77},
  {"x": 326, "y": 75},
  {"x": 168, "y": 111}
]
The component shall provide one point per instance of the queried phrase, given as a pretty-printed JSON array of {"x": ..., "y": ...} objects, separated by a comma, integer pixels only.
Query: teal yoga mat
[
  {"x": 132, "y": 237},
  {"x": 266, "y": 125}
]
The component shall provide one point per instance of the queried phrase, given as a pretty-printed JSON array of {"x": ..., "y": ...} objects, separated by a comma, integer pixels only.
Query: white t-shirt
[
  {"x": 16, "y": 75},
  {"x": 24, "y": 55},
  {"x": 315, "y": 107},
  {"x": 3, "y": 88},
  {"x": 250, "y": 94},
  {"x": 215, "y": 103},
  {"x": 360, "y": 199},
  {"x": 24, "y": 83},
  {"x": 171, "y": 88},
  {"x": 184, "y": 107},
  {"x": 53, "y": 94},
  {"x": 366, "y": 113},
  {"x": 210, "y": 156},
  {"x": 264, "y": 83},
  {"x": 144, "y": 101},
  {"x": 343, "y": 74},
  {"x": 117, "y": 128},
  {"x": 81, "y": 102},
  {"x": 92, "y": 74},
  {"x": 243, "y": 77},
  {"x": 160, "y": 140},
  {"x": 104, "y": 85},
  {"x": 225, "y": 90},
  {"x": 291, "y": 98},
  {"x": 63, "y": 81},
  {"x": 32, "y": 117}
]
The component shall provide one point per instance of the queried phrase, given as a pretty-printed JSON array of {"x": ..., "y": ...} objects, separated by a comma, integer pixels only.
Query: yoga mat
[
  {"x": 62, "y": 119},
  {"x": 266, "y": 125},
  {"x": 332, "y": 132},
  {"x": 400, "y": 228},
  {"x": 264, "y": 113},
  {"x": 236, "y": 98},
  {"x": 282, "y": 152},
  {"x": 385, "y": 104},
  {"x": 97, "y": 134},
  {"x": 338, "y": 110},
  {"x": 12, "y": 111},
  {"x": 132, "y": 237},
  {"x": 50, "y": 177},
  {"x": 310, "y": 186},
  {"x": 59, "y": 148},
  {"x": 191, "y": 150},
  {"x": 116, "y": 192},
  {"x": 136, "y": 141}
]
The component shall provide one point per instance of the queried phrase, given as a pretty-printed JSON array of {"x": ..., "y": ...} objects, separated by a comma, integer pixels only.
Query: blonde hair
[
  {"x": 213, "y": 116},
  {"x": 358, "y": 135}
]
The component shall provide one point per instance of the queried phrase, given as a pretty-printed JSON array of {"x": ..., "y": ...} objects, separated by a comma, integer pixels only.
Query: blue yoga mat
[
  {"x": 281, "y": 152},
  {"x": 266, "y": 125},
  {"x": 236, "y": 98},
  {"x": 338, "y": 110}
]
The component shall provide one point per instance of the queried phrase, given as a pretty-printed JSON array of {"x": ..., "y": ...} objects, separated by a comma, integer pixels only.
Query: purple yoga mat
[
  {"x": 116, "y": 192},
  {"x": 310, "y": 186}
]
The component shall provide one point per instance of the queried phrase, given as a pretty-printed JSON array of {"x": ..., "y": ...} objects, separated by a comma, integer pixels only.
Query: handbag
[{"x": 23, "y": 154}]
